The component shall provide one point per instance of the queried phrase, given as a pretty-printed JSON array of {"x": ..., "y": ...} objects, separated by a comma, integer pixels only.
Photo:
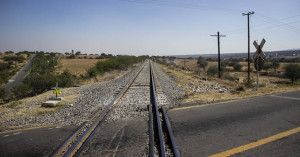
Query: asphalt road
[
  {"x": 19, "y": 76},
  {"x": 260, "y": 126},
  {"x": 37, "y": 142}
]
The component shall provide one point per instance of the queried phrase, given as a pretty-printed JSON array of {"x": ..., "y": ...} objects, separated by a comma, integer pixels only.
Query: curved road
[{"x": 19, "y": 76}]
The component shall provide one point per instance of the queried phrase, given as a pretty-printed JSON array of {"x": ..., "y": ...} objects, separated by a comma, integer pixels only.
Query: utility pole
[
  {"x": 219, "y": 57},
  {"x": 248, "y": 18}
]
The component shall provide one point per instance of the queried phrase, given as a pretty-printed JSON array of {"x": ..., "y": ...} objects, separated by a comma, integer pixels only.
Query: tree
[
  {"x": 202, "y": 63},
  {"x": 292, "y": 71},
  {"x": 78, "y": 53},
  {"x": 267, "y": 66}
]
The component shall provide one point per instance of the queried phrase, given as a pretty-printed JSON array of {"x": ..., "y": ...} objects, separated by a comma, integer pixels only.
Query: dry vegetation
[
  {"x": 76, "y": 66},
  {"x": 183, "y": 78}
]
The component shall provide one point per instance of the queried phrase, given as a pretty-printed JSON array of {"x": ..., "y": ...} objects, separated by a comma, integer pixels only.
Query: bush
[
  {"x": 14, "y": 58},
  {"x": 4, "y": 66},
  {"x": 66, "y": 79},
  {"x": 212, "y": 71},
  {"x": 249, "y": 83},
  {"x": 267, "y": 66},
  {"x": 292, "y": 71},
  {"x": 92, "y": 72},
  {"x": 237, "y": 66},
  {"x": 229, "y": 77},
  {"x": 275, "y": 64},
  {"x": 115, "y": 63},
  {"x": 22, "y": 90},
  {"x": 40, "y": 82},
  {"x": 2, "y": 93}
]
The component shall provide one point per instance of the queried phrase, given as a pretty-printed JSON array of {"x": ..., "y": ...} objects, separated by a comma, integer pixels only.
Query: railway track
[
  {"x": 85, "y": 132},
  {"x": 161, "y": 139}
]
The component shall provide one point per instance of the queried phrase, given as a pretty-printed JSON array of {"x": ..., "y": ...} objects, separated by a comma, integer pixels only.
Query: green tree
[
  {"x": 202, "y": 63},
  {"x": 292, "y": 71}
]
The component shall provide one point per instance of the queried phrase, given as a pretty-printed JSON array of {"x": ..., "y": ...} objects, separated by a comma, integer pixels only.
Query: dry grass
[
  {"x": 76, "y": 66},
  {"x": 270, "y": 85},
  {"x": 25, "y": 108}
]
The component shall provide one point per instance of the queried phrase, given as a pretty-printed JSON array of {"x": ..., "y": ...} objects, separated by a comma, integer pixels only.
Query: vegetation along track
[{"x": 161, "y": 140}]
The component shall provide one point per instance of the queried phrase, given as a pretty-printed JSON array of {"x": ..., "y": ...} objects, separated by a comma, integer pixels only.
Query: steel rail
[
  {"x": 162, "y": 150},
  {"x": 73, "y": 144},
  {"x": 151, "y": 132},
  {"x": 171, "y": 137}
]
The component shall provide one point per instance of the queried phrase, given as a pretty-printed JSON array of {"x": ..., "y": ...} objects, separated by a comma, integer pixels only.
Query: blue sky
[{"x": 146, "y": 26}]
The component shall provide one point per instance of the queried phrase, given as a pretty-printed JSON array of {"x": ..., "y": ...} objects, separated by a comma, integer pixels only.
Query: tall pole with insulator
[
  {"x": 248, "y": 19},
  {"x": 219, "y": 55}
]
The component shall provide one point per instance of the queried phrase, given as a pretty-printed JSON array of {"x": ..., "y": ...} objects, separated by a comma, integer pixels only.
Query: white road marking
[
  {"x": 17, "y": 133},
  {"x": 285, "y": 97}
]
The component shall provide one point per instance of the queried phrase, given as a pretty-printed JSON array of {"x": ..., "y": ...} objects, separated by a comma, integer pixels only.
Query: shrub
[
  {"x": 229, "y": 77},
  {"x": 292, "y": 71},
  {"x": 267, "y": 66},
  {"x": 275, "y": 64},
  {"x": 66, "y": 79},
  {"x": 40, "y": 82},
  {"x": 237, "y": 66},
  {"x": 4, "y": 66},
  {"x": 212, "y": 71},
  {"x": 14, "y": 58},
  {"x": 115, "y": 63},
  {"x": 92, "y": 72},
  {"x": 22, "y": 90},
  {"x": 249, "y": 83},
  {"x": 2, "y": 93}
]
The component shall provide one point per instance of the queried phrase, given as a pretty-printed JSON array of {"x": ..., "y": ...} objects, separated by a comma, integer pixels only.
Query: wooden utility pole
[
  {"x": 248, "y": 18},
  {"x": 219, "y": 56}
]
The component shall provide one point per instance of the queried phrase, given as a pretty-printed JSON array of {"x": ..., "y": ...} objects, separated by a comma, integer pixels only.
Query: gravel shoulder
[{"x": 79, "y": 104}]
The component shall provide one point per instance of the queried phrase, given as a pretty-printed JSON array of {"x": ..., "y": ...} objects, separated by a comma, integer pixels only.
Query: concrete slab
[{"x": 50, "y": 103}]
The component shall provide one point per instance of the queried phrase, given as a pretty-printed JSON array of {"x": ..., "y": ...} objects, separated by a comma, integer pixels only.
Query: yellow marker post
[{"x": 56, "y": 91}]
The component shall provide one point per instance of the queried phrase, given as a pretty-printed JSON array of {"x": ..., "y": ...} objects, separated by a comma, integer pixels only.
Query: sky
[{"x": 153, "y": 27}]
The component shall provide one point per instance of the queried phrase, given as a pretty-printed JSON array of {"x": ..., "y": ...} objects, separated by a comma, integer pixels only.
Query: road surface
[
  {"x": 19, "y": 76},
  {"x": 260, "y": 126}
]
